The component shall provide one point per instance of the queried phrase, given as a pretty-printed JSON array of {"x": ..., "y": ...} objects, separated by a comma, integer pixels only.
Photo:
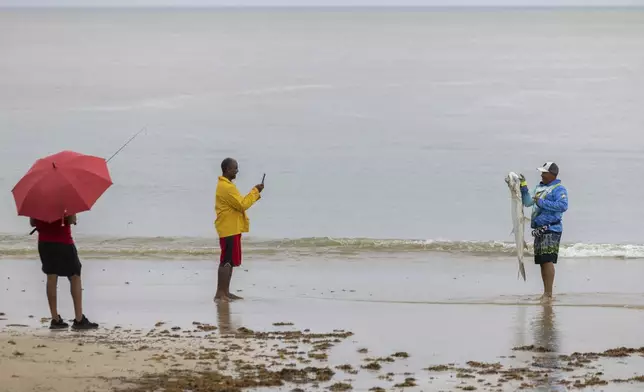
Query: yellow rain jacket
[{"x": 230, "y": 208}]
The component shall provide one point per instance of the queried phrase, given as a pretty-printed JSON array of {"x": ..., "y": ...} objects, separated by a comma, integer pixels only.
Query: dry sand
[
  {"x": 29, "y": 363},
  {"x": 168, "y": 357}
]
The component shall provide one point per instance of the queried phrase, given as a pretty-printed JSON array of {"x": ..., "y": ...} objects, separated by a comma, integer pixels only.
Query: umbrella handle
[{"x": 33, "y": 231}]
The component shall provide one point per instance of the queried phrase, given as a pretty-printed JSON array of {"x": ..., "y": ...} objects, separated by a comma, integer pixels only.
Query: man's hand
[
  {"x": 523, "y": 180},
  {"x": 260, "y": 187},
  {"x": 71, "y": 219}
]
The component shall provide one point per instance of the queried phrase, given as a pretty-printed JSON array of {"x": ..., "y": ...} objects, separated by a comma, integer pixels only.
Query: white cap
[{"x": 549, "y": 167}]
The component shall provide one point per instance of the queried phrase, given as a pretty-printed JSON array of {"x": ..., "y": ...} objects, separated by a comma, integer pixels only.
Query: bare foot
[
  {"x": 546, "y": 298},
  {"x": 233, "y": 296},
  {"x": 221, "y": 298}
]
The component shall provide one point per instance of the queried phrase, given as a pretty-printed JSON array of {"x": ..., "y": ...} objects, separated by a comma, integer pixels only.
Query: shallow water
[{"x": 142, "y": 291}]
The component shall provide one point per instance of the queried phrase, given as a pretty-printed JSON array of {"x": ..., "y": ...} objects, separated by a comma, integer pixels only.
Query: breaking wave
[{"x": 13, "y": 246}]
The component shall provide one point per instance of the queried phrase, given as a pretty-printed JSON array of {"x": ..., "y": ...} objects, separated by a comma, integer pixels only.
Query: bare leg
[
  {"x": 224, "y": 274},
  {"x": 231, "y": 295},
  {"x": 548, "y": 276},
  {"x": 77, "y": 296},
  {"x": 80, "y": 321},
  {"x": 52, "y": 288}
]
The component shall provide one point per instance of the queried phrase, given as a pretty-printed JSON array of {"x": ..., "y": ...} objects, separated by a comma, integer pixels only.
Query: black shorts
[
  {"x": 546, "y": 247},
  {"x": 59, "y": 259}
]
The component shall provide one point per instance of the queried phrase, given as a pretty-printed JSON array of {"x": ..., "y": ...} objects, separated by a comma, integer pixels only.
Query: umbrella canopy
[{"x": 62, "y": 184}]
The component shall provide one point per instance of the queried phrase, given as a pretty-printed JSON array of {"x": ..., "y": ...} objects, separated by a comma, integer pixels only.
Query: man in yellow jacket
[{"x": 231, "y": 222}]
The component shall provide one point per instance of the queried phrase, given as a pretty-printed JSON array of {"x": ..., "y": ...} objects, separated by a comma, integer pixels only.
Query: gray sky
[{"x": 178, "y": 3}]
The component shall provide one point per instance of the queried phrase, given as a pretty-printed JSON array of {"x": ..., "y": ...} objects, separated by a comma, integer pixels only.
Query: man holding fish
[{"x": 549, "y": 200}]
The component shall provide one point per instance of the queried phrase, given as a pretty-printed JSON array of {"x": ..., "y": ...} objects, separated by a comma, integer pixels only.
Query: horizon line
[{"x": 298, "y": 7}]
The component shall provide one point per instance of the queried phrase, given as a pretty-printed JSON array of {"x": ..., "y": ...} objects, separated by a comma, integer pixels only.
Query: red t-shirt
[{"x": 54, "y": 232}]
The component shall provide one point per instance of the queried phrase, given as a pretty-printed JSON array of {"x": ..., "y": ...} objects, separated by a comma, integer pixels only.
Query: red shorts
[{"x": 231, "y": 251}]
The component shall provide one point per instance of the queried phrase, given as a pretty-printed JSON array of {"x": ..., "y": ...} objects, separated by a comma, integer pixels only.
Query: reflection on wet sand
[
  {"x": 545, "y": 329},
  {"x": 223, "y": 317},
  {"x": 546, "y": 336}
]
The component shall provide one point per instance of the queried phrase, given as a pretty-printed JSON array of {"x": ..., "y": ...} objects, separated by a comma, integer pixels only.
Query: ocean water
[{"x": 384, "y": 130}]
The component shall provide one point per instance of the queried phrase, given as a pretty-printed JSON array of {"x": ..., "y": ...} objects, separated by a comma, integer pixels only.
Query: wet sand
[{"x": 451, "y": 310}]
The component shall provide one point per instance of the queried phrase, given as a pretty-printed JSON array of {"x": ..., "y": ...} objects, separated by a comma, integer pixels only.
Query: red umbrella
[{"x": 61, "y": 184}]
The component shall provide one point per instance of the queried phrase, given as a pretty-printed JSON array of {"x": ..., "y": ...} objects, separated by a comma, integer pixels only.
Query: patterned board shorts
[{"x": 546, "y": 247}]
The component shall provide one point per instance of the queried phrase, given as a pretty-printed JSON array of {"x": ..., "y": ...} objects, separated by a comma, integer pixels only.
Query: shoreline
[{"x": 204, "y": 248}]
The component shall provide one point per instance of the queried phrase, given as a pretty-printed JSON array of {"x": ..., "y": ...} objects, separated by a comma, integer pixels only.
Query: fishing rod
[{"x": 126, "y": 143}]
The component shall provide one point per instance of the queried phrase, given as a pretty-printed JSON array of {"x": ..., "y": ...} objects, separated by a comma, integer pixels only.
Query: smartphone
[{"x": 263, "y": 177}]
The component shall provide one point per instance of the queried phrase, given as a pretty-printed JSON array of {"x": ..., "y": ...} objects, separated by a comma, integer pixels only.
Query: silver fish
[{"x": 518, "y": 219}]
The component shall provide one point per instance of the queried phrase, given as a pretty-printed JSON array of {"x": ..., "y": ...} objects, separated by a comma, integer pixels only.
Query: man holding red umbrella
[
  {"x": 59, "y": 257},
  {"x": 52, "y": 192}
]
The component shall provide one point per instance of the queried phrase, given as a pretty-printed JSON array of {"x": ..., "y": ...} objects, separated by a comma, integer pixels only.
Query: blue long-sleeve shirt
[{"x": 551, "y": 203}]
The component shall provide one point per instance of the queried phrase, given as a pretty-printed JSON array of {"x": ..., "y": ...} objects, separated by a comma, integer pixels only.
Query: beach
[
  {"x": 380, "y": 253},
  {"x": 440, "y": 309}
]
